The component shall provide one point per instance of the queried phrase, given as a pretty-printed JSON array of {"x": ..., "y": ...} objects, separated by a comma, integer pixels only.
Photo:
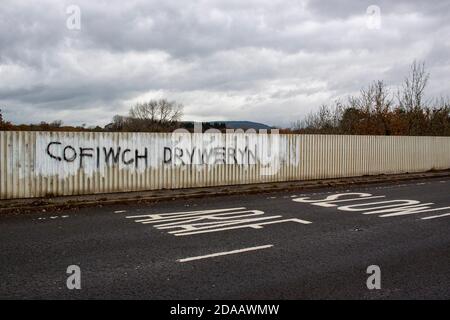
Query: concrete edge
[{"x": 20, "y": 206}]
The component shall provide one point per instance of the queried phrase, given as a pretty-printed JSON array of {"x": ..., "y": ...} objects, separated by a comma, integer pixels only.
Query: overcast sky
[{"x": 271, "y": 61}]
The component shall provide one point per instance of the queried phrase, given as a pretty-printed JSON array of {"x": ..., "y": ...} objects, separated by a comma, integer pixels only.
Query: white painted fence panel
[{"x": 40, "y": 164}]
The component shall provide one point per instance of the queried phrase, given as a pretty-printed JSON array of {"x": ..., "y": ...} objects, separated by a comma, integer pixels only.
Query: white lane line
[
  {"x": 435, "y": 217},
  {"x": 121, "y": 211},
  {"x": 225, "y": 253}
]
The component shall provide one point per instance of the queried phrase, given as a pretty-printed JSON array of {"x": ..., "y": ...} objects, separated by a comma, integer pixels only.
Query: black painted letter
[
  {"x": 110, "y": 154},
  {"x": 169, "y": 160},
  {"x": 74, "y": 154},
  {"x": 126, "y": 162},
  {"x": 145, "y": 156},
  {"x": 83, "y": 154},
  {"x": 50, "y": 154}
]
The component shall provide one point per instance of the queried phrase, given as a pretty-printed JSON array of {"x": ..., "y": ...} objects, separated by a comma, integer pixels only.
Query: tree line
[
  {"x": 377, "y": 110},
  {"x": 152, "y": 116}
]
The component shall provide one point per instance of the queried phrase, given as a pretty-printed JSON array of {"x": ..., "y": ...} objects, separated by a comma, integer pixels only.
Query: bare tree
[
  {"x": 412, "y": 93},
  {"x": 411, "y": 98},
  {"x": 145, "y": 111},
  {"x": 154, "y": 115},
  {"x": 325, "y": 120},
  {"x": 161, "y": 111},
  {"x": 3, "y": 124},
  {"x": 118, "y": 123},
  {"x": 374, "y": 99},
  {"x": 56, "y": 124}
]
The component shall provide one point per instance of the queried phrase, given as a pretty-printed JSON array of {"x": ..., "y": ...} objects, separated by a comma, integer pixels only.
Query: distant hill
[
  {"x": 245, "y": 125},
  {"x": 221, "y": 125}
]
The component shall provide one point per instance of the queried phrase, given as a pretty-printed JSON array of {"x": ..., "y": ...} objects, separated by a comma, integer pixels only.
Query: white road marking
[
  {"x": 328, "y": 201},
  {"x": 328, "y": 204},
  {"x": 253, "y": 226},
  {"x": 120, "y": 211},
  {"x": 376, "y": 205},
  {"x": 53, "y": 217},
  {"x": 435, "y": 217},
  {"x": 413, "y": 211},
  {"x": 402, "y": 210},
  {"x": 225, "y": 253},
  {"x": 207, "y": 221},
  {"x": 385, "y": 209}
]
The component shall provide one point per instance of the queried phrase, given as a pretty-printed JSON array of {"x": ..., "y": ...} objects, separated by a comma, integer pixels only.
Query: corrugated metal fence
[{"x": 39, "y": 164}]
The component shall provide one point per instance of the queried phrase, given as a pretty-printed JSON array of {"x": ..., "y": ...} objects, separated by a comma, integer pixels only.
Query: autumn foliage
[{"x": 378, "y": 111}]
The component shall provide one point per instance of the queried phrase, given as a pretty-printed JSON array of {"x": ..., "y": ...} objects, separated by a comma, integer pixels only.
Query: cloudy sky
[{"x": 263, "y": 60}]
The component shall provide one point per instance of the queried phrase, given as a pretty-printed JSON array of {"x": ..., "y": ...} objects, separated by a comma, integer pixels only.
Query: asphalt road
[{"x": 303, "y": 251}]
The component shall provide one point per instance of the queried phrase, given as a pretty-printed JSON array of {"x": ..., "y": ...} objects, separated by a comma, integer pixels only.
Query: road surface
[{"x": 287, "y": 245}]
